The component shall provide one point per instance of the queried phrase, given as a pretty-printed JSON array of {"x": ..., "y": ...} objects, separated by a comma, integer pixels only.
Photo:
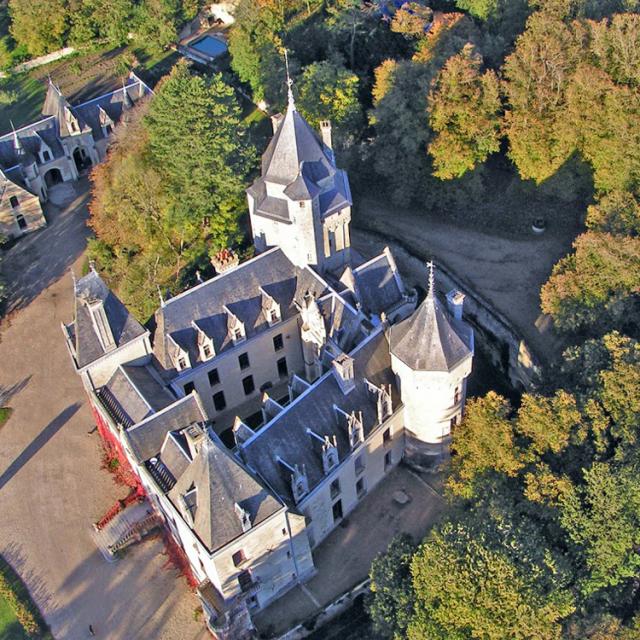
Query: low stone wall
[
  {"x": 46, "y": 59},
  {"x": 338, "y": 606},
  {"x": 506, "y": 347}
]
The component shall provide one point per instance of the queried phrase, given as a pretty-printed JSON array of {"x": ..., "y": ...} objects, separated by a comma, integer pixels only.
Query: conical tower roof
[
  {"x": 430, "y": 339},
  {"x": 296, "y": 142}
]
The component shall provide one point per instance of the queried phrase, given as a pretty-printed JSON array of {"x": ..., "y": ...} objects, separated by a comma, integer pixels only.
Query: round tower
[{"x": 431, "y": 354}]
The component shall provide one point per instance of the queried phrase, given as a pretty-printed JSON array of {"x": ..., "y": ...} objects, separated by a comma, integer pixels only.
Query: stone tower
[
  {"x": 302, "y": 201},
  {"x": 431, "y": 354}
]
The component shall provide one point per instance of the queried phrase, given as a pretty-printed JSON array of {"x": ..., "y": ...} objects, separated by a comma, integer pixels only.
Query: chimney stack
[
  {"x": 325, "y": 131},
  {"x": 343, "y": 371},
  {"x": 455, "y": 303}
]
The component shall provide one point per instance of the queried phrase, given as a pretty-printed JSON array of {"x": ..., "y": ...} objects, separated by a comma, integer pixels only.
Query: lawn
[
  {"x": 10, "y": 628},
  {"x": 80, "y": 77}
]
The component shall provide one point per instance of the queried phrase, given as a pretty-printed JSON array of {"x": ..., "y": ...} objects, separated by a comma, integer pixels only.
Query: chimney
[
  {"x": 194, "y": 436},
  {"x": 455, "y": 303},
  {"x": 276, "y": 119},
  {"x": 343, "y": 371},
  {"x": 225, "y": 260},
  {"x": 101, "y": 324},
  {"x": 325, "y": 132}
]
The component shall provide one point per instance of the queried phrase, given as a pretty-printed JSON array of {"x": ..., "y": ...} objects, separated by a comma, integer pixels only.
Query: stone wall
[{"x": 494, "y": 331}]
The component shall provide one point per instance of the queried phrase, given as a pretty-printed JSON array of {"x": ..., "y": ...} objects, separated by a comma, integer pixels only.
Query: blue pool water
[{"x": 209, "y": 45}]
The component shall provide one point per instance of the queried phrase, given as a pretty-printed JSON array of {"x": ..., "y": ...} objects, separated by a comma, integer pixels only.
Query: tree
[
  {"x": 464, "y": 110},
  {"x": 469, "y": 587},
  {"x": 157, "y": 22},
  {"x": 482, "y": 9},
  {"x": 617, "y": 212},
  {"x": 39, "y": 26},
  {"x": 390, "y": 604},
  {"x": 484, "y": 442},
  {"x": 330, "y": 92},
  {"x": 350, "y": 17},
  {"x": 537, "y": 75},
  {"x": 595, "y": 286},
  {"x": 171, "y": 189},
  {"x": 197, "y": 140}
]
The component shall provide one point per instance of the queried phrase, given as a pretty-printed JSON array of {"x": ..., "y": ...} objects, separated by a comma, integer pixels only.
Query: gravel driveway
[{"x": 51, "y": 484}]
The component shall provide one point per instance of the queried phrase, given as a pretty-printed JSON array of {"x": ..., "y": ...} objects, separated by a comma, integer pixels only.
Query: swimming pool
[{"x": 209, "y": 45}]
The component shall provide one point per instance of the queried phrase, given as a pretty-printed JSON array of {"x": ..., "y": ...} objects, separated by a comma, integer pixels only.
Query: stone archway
[
  {"x": 52, "y": 177},
  {"x": 82, "y": 159}
]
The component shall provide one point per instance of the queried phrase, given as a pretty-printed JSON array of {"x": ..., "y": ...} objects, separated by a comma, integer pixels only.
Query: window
[
  {"x": 238, "y": 558},
  {"x": 182, "y": 364},
  {"x": 214, "y": 378},
  {"x": 14, "y": 201},
  {"x": 188, "y": 388},
  {"x": 218, "y": 401},
  {"x": 46, "y": 156},
  {"x": 243, "y": 360},
  {"x": 248, "y": 385},
  {"x": 245, "y": 580},
  {"x": 22, "y": 223},
  {"x": 456, "y": 395},
  {"x": 386, "y": 437},
  {"x": 388, "y": 460},
  {"x": 109, "y": 129},
  {"x": 283, "y": 370},
  {"x": 360, "y": 488},
  {"x": 335, "y": 488},
  {"x": 252, "y": 602},
  {"x": 359, "y": 464},
  {"x": 301, "y": 204},
  {"x": 206, "y": 350},
  {"x": 278, "y": 342},
  {"x": 337, "y": 511},
  {"x": 284, "y": 532}
]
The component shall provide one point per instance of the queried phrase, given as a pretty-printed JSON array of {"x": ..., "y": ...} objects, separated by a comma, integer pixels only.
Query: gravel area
[{"x": 51, "y": 486}]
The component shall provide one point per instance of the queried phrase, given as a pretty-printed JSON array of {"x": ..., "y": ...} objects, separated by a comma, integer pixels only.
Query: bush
[{"x": 16, "y": 594}]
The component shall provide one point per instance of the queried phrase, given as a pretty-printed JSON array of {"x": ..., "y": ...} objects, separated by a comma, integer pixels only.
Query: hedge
[{"x": 13, "y": 590}]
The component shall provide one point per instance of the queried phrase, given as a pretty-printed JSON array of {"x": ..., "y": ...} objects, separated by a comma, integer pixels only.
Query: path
[
  {"x": 507, "y": 272},
  {"x": 51, "y": 485}
]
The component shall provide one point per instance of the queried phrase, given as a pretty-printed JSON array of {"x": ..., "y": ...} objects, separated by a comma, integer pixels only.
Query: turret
[{"x": 431, "y": 354}]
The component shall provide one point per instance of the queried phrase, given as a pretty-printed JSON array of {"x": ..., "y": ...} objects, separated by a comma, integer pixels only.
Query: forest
[{"x": 431, "y": 101}]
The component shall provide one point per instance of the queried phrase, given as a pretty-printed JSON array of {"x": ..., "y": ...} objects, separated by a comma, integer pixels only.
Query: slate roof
[
  {"x": 147, "y": 437},
  {"x": 286, "y": 435},
  {"x": 220, "y": 482},
  {"x": 137, "y": 392},
  {"x": 296, "y": 142},
  {"x": 124, "y": 326},
  {"x": 239, "y": 291},
  {"x": 49, "y": 129},
  {"x": 297, "y": 158},
  {"x": 430, "y": 339},
  {"x": 55, "y": 104},
  {"x": 175, "y": 454},
  {"x": 378, "y": 284}
]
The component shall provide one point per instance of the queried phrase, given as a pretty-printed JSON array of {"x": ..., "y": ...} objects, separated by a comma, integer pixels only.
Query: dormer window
[
  {"x": 45, "y": 156},
  {"x": 182, "y": 363},
  {"x": 14, "y": 202},
  {"x": 206, "y": 351},
  {"x": 301, "y": 204},
  {"x": 235, "y": 327},
  {"x": 179, "y": 356},
  {"x": 270, "y": 308},
  {"x": 205, "y": 343}
]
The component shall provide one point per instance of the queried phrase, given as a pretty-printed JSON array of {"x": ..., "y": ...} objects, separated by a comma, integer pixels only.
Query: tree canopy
[{"x": 172, "y": 188}]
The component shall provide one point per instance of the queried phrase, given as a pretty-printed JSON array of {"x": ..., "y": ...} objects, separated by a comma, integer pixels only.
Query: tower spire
[
  {"x": 432, "y": 280},
  {"x": 17, "y": 143},
  {"x": 292, "y": 104}
]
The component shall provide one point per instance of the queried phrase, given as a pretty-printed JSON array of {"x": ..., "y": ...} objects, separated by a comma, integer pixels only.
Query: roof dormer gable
[
  {"x": 204, "y": 341},
  {"x": 270, "y": 308},
  {"x": 236, "y": 331},
  {"x": 179, "y": 356}
]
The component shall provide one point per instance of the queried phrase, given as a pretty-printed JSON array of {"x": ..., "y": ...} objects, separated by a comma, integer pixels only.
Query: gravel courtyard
[{"x": 51, "y": 484}]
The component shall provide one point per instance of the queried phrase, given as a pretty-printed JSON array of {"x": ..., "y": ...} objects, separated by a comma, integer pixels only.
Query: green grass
[
  {"x": 5, "y": 414},
  {"x": 29, "y": 98},
  {"x": 10, "y": 628}
]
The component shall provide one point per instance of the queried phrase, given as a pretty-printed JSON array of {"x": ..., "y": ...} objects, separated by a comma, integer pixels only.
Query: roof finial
[
  {"x": 432, "y": 279},
  {"x": 292, "y": 104}
]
